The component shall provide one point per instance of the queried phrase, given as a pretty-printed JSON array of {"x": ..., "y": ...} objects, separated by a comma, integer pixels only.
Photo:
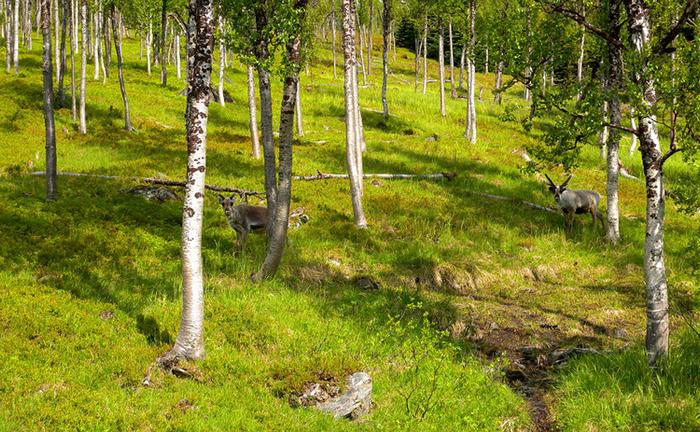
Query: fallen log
[
  {"x": 325, "y": 176},
  {"x": 158, "y": 181}
]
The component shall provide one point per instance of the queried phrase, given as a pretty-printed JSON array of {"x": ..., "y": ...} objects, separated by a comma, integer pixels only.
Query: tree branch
[
  {"x": 324, "y": 176},
  {"x": 691, "y": 9},
  {"x": 560, "y": 9}
]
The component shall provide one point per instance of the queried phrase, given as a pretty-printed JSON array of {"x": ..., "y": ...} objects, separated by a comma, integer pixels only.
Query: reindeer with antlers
[{"x": 572, "y": 201}]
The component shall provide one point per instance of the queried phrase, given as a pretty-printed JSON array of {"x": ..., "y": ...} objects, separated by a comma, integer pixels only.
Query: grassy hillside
[{"x": 474, "y": 292}]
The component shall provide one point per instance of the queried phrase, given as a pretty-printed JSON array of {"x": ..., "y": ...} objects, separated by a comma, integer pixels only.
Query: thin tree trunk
[
  {"x": 190, "y": 338},
  {"x": 300, "y": 126},
  {"x": 498, "y": 98},
  {"x": 603, "y": 134},
  {"x": 222, "y": 61},
  {"x": 579, "y": 65},
  {"x": 8, "y": 38},
  {"x": 149, "y": 41},
  {"x": 453, "y": 91},
  {"x": 419, "y": 45},
  {"x": 96, "y": 42},
  {"x": 15, "y": 37},
  {"x": 178, "y": 63},
  {"x": 652, "y": 159},
  {"x": 335, "y": 74},
  {"x": 278, "y": 236},
  {"x": 369, "y": 37},
  {"x": 62, "y": 54},
  {"x": 633, "y": 123},
  {"x": 253, "y": 113},
  {"x": 107, "y": 57},
  {"x": 470, "y": 132},
  {"x": 262, "y": 53},
  {"x": 393, "y": 40},
  {"x": 425, "y": 55},
  {"x": 486, "y": 60},
  {"x": 51, "y": 178},
  {"x": 614, "y": 83},
  {"x": 361, "y": 51},
  {"x": 118, "y": 49},
  {"x": 386, "y": 22},
  {"x": 73, "y": 25},
  {"x": 351, "y": 133},
  {"x": 163, "y": 32},
  {"x": 83, "y": 64},
  {"x": 441, "y": 62}
]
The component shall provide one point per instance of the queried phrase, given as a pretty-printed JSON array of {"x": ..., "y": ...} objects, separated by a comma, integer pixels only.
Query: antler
[
  {"x": 550, "y": 181},
  {"x": 567, "y": 180}
]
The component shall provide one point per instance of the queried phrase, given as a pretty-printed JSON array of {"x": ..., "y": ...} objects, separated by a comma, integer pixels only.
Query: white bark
[
  {"x": 453, "y": 91},
  {"x": 335, "y": 74},
  {"x": 8, "y": 40},
  {"x": 178, "y": 63},
  {"x": 149, "y": 42},
  {"x": 351, "y": 133},
  {"x": 96, "y": 49},
  {"x": 579, "y": 66},
  {"x": 15, "y": 40},
  {"x": 297, "y": 108},
  {"x": 633, "y": 122},
  {"x": 253, "y": 118},
  {"x": 425, "y": 55},
  {"x": 441, "y": 61},
  {"x": 190, "y": 338},
  {"x": 83, "y": 65},
  {"x": 222, "y": 62}
]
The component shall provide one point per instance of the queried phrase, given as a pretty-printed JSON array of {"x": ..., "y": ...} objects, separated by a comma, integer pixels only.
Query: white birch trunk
[
  {"x": 15, "y": 39},
  {"x": 335, "y": 73},
  {"x": 351, "y": 132},
  {"x": 654, "y": 268},
  {"x": 633, "y": 123},
  {"x": 190, "y": 338},
  {"x": 83, "y": 65},
  {"x": 178, "y": 63},
  {"x": 453, "y": 91},
  {"x": 8, "y": 41},
  {"x": 222, "y": 62},
  {"x": 96, "y": 50},
  {"x": 149, "y": 42},
  {"x": 425, "y": 55},
  {"x": 297, "y": 107},
  {"x": 51, "y": 172},
  {"x": 579, "y": 65},
  {"x": 253, "y": 117}
]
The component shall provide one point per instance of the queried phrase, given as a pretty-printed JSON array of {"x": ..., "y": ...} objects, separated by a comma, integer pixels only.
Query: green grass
[{"x": 99, "y": 250}]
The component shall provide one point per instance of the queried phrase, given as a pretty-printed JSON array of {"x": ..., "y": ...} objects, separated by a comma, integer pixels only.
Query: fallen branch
[
  {"x": 325, "y": 176},
  {"x": 523, "y": 202},
  {"x": 152, "y": 180}
]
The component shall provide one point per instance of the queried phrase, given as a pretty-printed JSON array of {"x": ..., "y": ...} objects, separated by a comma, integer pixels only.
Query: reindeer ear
[
  {"x": 221, "y": 199},
  {"x": 552, "y": 189}
]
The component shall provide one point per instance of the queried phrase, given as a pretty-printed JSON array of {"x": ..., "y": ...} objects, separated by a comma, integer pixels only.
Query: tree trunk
[
  {"x": 633, "y": 123},
  {"x": 369, "y": 38},
  {"x": 118, "y": 49},
  {"x": 351, "y": 133},
  {"x": 262, "y": 53},
  {"x": 163, "y": 30},
  {"x": 48, "y": 103},
  {"x": 83, "y": 64},
  {"x": 652, "y": 159},
  {"x": 614, "y": 83},
  {"x": 386, "y": 22},
  {"x": 278, "y": 235},
  {"x": 253, "y": 113},
  {"x": 425, "y": 55},
  {"x": 603, "y": 134},
  {"x": 300, "y": 126},
  {"x": 149, "y": 42},
  {"x": 222, "y": 61},
  {"x": 361, "y": 51},
  {"x": 453, "y": 91},
  {"x": 15, "y": 36},
  {"x": 107, "y": 52},
  {"x": 73, "y": 25},
  {"x": 178, "y": 64},
  {"x": 8, "y": 38},
  {"x": 190, "y": 338},
  {"x": 498, "y": 98},
  {"x": 441, "y": 62},
  {"x": 96, "y": 42},
  {"x": 62, "y": 54},
  {"x": 335, "y": 74},
  {"x": 470, "y": 132},
  {"x": 579, "y": 65},
  {"x": 486, "y": 60}
]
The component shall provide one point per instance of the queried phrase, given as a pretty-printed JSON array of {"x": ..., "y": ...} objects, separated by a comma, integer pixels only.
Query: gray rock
[{"x": 355, "y": 402}]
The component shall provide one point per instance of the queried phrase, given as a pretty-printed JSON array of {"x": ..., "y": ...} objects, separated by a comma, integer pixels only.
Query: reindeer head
[
  {"x": 557, "y": 190},
  {"x": 228, "y": 203}
]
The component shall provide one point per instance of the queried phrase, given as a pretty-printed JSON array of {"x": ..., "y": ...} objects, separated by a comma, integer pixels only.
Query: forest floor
[{"x": 488, "y": 315}]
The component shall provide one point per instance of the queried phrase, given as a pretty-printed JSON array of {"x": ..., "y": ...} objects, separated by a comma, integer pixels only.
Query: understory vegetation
[{"x": 473, "y": 296}]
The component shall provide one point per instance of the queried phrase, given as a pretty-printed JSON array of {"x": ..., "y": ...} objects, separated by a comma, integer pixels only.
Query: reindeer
[
  {"x": 575, "y": 201},
  {"x": 243, "y": 218}
]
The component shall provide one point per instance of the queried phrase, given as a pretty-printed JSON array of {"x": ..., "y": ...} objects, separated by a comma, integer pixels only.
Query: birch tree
[
  {"x": 253, "y": 116},
  {"x": 189, "y": 343},
  {"x": 386, "y": 34},
  {"x": 470, "y": 131},
  {"x": 352, "y": 146},
  {"x": 83, "y": 64},
  {"x": 48, "y": 102},
  {"x": 118, "y": 48},
  {"x": 278, "y": 233}
]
